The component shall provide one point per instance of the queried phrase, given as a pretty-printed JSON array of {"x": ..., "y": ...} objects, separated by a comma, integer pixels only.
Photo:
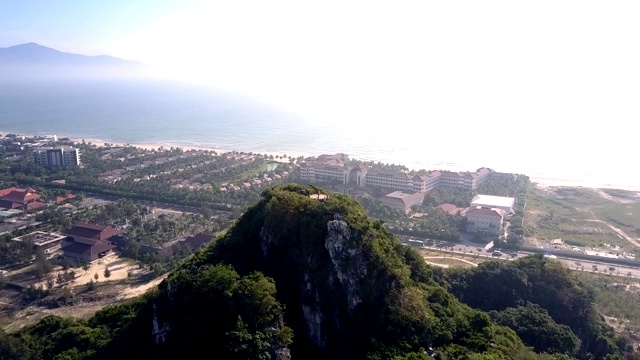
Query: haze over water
[{"x": 173, "y": 114}]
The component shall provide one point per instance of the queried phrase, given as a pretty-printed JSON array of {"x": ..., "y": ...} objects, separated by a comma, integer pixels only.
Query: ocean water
[{"x": 174, "y": 114}]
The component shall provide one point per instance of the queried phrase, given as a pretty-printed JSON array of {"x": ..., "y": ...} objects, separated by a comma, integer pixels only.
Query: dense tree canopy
[
  {"x": 301, "y": 278},
  {"x": 545, "y": 283}
]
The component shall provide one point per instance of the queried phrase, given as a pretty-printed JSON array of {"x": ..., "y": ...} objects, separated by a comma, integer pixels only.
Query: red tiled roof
[
  {"x": 34, "y": 205},
  {"x": 4, "y": 192},
  {"x": 21, "y": 196},
  {"x": 449, "y": 208},
  {"x": 93, "y": 232},
  {"x": 64, "y": 198}
]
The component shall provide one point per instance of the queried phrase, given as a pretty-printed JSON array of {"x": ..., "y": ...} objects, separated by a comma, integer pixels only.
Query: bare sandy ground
[
  {"x": 544, "y": 183},
  {"x": 137, "y": 290},
  {"x": 121, "y": 285},
  {"x": 87, "y": 303},
  {"x": 119, "y": 268}
]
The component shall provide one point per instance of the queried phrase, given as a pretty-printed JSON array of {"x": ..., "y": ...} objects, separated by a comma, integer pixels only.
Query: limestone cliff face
[
  {"x": 347, "y": 268},
  {"x": 347, "y": 259}
]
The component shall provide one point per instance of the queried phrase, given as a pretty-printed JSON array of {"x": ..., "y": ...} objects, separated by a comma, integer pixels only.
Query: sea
[{"x": 176, "y": 114}]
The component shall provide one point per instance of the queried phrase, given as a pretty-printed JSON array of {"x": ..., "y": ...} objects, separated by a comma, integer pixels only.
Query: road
[{"x": 478, "y": 249}]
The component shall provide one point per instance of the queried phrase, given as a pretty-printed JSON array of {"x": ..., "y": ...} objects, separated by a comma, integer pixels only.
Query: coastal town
[{"x": 80, "y": 218}]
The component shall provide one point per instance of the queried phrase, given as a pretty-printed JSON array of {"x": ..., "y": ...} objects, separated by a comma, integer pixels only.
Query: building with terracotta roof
[
  {"x": 4, "y": 192},
  {"x": 90, "y": 234},
  {"x": 60, "y": 199},
  {"x": 449, "y": 209},
  {"x": 87, "y": 252},
  {"x": 89, "y": 242},
  {"x": 34, "y": 206},
  {"x": 23, "y": 199},
  {"x": 485, "y": 221},
  {"x": 403, "y": 200}
]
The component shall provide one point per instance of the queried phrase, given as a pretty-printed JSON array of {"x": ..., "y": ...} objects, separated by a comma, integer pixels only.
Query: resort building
[
  {"x": 485, "y": 221},
  {"x": 490, "y": 202},
  {"x": 326, "y": 168},
  {"x": 403, "y": 200},
  {"x": 334, "y": 168},
  {"x": 58, "y": 156}
]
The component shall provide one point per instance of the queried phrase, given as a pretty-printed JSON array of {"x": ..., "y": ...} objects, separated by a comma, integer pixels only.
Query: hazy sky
[{"x": 560, "y": 66}]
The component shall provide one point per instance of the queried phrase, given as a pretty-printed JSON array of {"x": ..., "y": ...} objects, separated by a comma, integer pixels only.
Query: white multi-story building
[
  {"x": 385, "y": 179},
  {"x": 494, "y": 202},
  {"x": 58, "y": 156},
  {"x": 333, "y": 168},
  {"x": 326, "y": 168},
  {"x": 485, "y": 221}
]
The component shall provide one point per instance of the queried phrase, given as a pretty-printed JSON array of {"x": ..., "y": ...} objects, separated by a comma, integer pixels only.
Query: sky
[{"x": 543, "y": 68}]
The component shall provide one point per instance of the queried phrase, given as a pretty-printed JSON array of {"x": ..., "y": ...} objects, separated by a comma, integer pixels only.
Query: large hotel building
[
  {"x": 58, "y": 156},
  {"x": 334, "y": 168}
]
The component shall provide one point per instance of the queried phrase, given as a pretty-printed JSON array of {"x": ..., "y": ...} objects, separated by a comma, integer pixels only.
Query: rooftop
[
  {"x": 198, "y": 240},
  {"x": 40, "y": 237},
  {"x": 450, "y": 208},
  {"x": 493, "y": 200},
  {"x": 21, "y": 196},
  {"x": 405, "y": 199},
  {"x": 484, "y": 211},
  {"x": 94, "y": 232}
]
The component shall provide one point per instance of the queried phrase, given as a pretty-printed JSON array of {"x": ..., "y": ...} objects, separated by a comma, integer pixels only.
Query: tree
[
  {"x": 96, "y": 276},
  {"x": 536, "y": 328},
  {"x": 107, "y": 272},
  {"x": 43, "y": 265},
  {"x": 50, "y": 282}
]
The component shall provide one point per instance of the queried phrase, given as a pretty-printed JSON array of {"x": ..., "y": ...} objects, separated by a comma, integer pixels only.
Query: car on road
[{"x": 496, "y": 253}]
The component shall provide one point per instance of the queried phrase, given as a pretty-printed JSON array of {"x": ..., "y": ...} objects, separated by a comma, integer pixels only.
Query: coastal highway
[{"x": 601, "y": 265}]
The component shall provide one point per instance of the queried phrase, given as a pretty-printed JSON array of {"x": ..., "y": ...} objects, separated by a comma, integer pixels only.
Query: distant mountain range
[{"x": 33, "y": 60}]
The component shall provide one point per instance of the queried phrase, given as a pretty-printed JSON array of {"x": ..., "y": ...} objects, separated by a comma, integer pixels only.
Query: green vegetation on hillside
[
  {"x": 510, "y": 288},
  {"x": 307, "y": 279},
  {"x": 618, "y": 299}
]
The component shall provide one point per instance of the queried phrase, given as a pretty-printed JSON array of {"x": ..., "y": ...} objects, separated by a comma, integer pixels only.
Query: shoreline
[{"x": 542, "y": 182}]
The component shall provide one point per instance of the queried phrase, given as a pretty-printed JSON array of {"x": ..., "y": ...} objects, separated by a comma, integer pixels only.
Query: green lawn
[{"x": 251, "y": 173}]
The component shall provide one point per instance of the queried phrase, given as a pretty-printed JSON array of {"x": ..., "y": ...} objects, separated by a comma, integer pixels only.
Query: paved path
[
  {"x": 617, "y": 231},
  {"x": 456, "y": 259}
]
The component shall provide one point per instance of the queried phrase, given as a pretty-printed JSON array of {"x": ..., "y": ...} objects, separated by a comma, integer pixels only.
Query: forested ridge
[{"x": 304, "y": 279}]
